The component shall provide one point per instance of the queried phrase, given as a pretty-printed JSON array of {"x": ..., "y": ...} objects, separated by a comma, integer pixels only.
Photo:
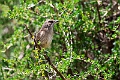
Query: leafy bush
[{"x": 86, "y": 43}]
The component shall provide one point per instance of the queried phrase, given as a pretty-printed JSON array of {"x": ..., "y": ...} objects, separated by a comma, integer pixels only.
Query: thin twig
[
  {"x": 33, "y": 6},
  {"x": 54, "y": 8},
  {"x": 113, "y": 17},
  {"x": 6, "y": 68},
  {"x": 99, "y": 17},
  {"x": 50, "y": 63},
  {"x": 62, "y": 1},
  {"x": 32, "y": 37},
  {"x": 2, "y": 73}
]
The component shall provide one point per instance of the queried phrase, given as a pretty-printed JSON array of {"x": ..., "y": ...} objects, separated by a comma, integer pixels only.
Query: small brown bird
[{"x": 45, "y": 34}]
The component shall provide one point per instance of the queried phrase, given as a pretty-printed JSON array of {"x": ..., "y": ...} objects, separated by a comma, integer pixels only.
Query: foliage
[{"x": 86, "y": 43}]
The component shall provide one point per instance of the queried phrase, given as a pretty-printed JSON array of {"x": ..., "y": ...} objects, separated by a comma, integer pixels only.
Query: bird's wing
[{"x": 41, "y": 36}]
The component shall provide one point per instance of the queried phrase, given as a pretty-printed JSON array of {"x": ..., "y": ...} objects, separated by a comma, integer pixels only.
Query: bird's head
[{"x": 49, "y": 23}]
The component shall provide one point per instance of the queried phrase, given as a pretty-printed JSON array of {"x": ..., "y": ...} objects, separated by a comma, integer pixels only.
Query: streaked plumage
[{"x": 45, "y": 34}]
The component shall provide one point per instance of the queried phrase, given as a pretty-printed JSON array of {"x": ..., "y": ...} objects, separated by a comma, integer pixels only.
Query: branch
[
  {"x": 99, "y": 17},
  {"x": 54, "y": 8},
  {"x": 50, "y": 63},
  {"x": 32, "y": 37},
  {"x": 62, "y": 1},
  {"x": 28, "y": 30},
  {"x": 114, "y": 16},
  {"x": 32, "y": 6},
  {"x": 6, "y": 68},
  {"x": 46, "y": 57}
]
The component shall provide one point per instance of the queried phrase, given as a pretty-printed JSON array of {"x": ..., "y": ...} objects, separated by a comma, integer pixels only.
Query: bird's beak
[{"x": 56, "y": 21}]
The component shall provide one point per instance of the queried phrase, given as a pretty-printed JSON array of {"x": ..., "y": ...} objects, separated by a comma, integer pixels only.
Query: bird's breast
[{"x": 49, "y": 40}]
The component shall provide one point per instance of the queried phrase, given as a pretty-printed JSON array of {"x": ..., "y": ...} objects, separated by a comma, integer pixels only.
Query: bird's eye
[
  {"x": 51, "y": 21},
  {"x": 46, "y": 26}
]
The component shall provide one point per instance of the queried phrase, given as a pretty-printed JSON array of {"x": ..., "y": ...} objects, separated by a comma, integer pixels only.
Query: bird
[{"x": 45, "y": 34}]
